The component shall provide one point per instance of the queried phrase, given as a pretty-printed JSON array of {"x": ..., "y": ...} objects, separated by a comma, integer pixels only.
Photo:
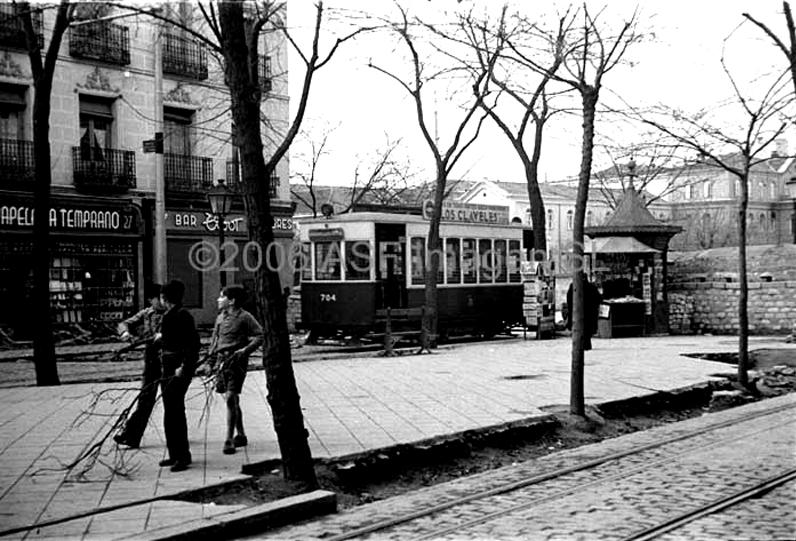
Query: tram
[{"x": 353, "y": 264}]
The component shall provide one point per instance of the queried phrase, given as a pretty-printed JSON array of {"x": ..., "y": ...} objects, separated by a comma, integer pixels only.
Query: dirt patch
[{"x": 382, "y": 475}]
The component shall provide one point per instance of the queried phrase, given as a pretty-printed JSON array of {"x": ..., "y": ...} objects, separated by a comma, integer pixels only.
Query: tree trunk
[
  {"x": 538, "y": 218},
  {"x": 743, "y": 296},
  {"x": 428, "y": 336},
  {"x": 44, "y": 360},
  {"x": 283, "y": 394},
  {"x": 576, "y": 395}
]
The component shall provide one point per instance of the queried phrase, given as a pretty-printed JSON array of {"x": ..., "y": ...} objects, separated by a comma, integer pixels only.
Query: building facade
[{"x": 106, "y": 100}]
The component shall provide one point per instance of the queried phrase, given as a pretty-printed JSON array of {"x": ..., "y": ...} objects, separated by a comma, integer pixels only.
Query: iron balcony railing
[
  {"x": 233, "y": 180},
  {"x": 17, "y": 165},
  {"x": 12, "y": 33},
  {"x": 107, "y": 169},
  {"x": 184, "y": 57},
  {"x": 102, "y": 41},
  {"x": 187, "y": 174}
]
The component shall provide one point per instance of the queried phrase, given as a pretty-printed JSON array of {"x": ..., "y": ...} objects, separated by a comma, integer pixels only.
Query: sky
[{"x": 361, "y": 109}]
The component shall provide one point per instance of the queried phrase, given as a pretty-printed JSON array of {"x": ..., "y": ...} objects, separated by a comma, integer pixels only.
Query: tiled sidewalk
[{"x": 350, "y": 406}]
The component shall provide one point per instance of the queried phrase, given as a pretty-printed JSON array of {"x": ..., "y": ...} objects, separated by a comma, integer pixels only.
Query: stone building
[{"x": 105, "y": 103}]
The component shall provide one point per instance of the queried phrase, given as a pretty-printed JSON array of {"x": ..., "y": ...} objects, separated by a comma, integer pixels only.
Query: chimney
[{"x": 780, "y": 148}]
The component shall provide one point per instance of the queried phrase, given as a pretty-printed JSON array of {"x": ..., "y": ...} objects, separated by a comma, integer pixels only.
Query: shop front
[
  {"x": 95, "y": 263},
  {"x": 194, "y": 255}
]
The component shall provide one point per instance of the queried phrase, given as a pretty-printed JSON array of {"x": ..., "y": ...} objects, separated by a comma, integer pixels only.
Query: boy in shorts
[{"x": 236, "y": 335}]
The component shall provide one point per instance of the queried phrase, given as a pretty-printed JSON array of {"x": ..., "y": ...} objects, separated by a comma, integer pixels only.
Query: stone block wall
[{"x": 704, "y": 290}]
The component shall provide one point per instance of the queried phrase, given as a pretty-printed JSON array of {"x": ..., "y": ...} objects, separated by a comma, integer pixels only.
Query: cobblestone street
[{"x": 617, "y": 498}]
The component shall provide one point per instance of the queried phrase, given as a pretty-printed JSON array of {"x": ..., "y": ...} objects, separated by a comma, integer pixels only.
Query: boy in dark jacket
[{"x": 179, "y": 342}]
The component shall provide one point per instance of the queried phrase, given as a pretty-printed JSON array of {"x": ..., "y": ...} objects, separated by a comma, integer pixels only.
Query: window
[
  {"x": 500, "y": 258},
  {"x": 304, "y": 261},
  {"x": 737, "y": 188},
  {"x": 486, "y": 261},
  {"x": 762, "y": 220},
  {"x": 773, "y": 188},
  {"x": 418, "y": 260},
  {"x": 12, "y": 107},
  {"x": 357, "y": 260},
  {"x": 570, "y": 218},
  {"x": 453, "y": 269},
  {"x": 588, "y": 217},
  {"x": 514, "y": 260},
  {"x": 692, "y": 192},
  {"x": 177, "y": 131},
  {"x": 550, "y": 219},
  {"x": 96, "y": 122},
  {"x": 327, "y": 260},
  {"x": 707, "y": 190},
  {"x": 468, "y": 261}
]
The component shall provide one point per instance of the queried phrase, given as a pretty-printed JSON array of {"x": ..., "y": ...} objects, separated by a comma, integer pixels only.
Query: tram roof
[{"x": 391, "y": 218}]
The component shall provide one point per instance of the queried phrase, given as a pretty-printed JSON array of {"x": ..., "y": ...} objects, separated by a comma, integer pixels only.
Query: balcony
[
  {"x": 187, "y": 174},
  {"x": 12, "y": 33},
  {"x": 17, "y": 166},
  {"x": 233, "y": 180},
  {"x": 102, "y": 41},
  {"x": 103, "y": 170},
  {"x": 184, "y": 57}
]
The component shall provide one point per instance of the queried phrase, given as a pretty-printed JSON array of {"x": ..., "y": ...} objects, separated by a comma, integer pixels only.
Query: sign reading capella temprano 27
[
  {"x": 468, "y": 213},
  {"x": 67, "y": 218}
]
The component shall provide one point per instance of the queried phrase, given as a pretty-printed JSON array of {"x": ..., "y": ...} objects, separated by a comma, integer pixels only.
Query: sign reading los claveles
[
  {"x": 468, "y": 213},
  {"x": 72, "y": 217}
]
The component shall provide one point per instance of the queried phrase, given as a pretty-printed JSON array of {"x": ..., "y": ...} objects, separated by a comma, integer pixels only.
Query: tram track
[
  {"x": 393, "y": 522},
  {"x": 714, "y": 507}
]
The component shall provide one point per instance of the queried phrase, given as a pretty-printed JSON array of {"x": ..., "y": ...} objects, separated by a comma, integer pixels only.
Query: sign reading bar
[
  {"x": 468, "y": 213},
  {"x": 63, "y": 218},
  {"x": 207, "y": 222}
]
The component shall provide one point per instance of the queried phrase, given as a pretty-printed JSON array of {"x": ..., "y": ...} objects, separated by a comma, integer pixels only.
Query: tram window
[
  {"x": 514, "y": 259},
  {"x": 501, "y": 274},
  {"x": 357, "y": 260},
  {"x": 304, "y": 261},
  {"x": 486, "y": 261},
  {"x": 327, "y": 260},
  {"x": 452, "y": 255},
  {"x": 468, "y": 261},
  {"x": 418, "y": 260}
]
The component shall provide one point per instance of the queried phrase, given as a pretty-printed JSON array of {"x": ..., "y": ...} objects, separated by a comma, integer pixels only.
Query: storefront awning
[{"x": 618, "y": 245}]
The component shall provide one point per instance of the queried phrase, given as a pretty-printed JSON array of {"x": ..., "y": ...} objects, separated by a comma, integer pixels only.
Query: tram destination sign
[{"x": 469, "y": 213}]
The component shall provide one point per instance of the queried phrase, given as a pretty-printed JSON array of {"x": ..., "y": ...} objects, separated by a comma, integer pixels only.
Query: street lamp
[
  {"x": 220, "y": 200},
  {"x": 791, "y": 185}
]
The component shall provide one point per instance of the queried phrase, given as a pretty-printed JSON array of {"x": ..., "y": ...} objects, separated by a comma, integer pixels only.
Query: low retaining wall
[{"x": 704, "y": 291}]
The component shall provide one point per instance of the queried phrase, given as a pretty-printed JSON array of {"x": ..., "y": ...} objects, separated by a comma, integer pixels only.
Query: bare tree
[
  {"x": 385, "y": 180},
  {"x": 517, "y": 66},
  {"x": 444, "y": 158},
  {"x": 317, "y": 151},
  {"x": 651, "y": 168},
  {"x": 43, "y": 72},
  {"x": 760, "y": 115},
  {"x": 588, "y": 54},
  {"x": 789, "y": 49}
]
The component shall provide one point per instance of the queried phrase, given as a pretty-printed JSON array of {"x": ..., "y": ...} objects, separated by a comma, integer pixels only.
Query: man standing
[
  {"x": 180, "y": 351},
  {"x": 236, "y": 335},
  {"x": 146, "y": 324},
  {"x": 591, "y": 310}
]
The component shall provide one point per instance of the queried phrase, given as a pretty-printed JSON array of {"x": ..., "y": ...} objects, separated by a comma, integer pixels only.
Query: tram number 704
[{"x": 328, "y": 297}]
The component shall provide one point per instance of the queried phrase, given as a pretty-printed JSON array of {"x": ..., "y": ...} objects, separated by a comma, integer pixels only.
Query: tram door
[{"x": 391, "y": 265}]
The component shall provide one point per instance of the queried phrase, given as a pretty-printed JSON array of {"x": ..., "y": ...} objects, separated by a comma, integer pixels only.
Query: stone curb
[{"x": 247, "y": 521}]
